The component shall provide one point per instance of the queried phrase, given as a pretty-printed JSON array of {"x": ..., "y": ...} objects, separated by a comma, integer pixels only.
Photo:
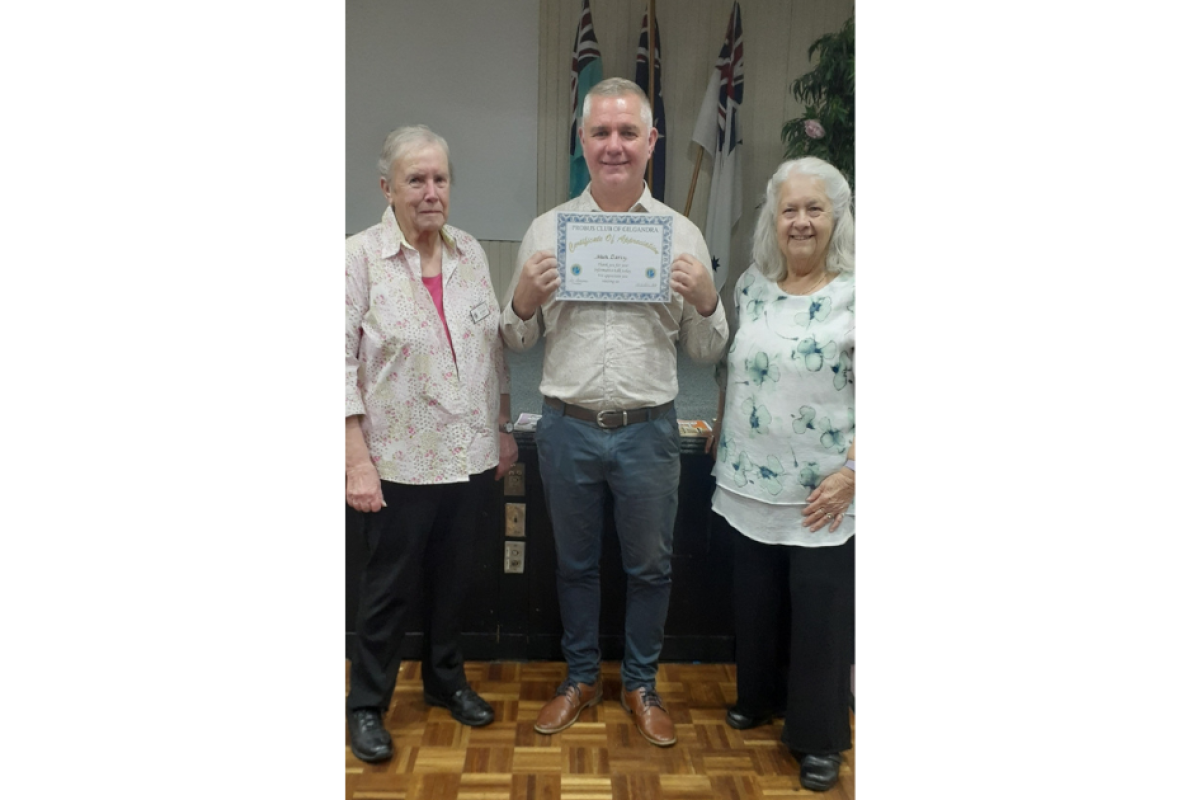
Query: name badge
[{"x": 480, "y": 312}]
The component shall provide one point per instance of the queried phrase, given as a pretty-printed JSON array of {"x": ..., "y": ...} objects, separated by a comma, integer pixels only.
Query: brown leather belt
[{"x": 612, "y": 418}]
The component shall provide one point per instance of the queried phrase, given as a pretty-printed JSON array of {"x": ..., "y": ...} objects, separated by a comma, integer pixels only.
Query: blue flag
[
  {"x": 658, "y": 164},
  {"x": 586, "y": 72}
]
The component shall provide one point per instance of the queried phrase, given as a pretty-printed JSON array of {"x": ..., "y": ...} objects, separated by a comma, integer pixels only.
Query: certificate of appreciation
[{"x": 614, "y": 257}]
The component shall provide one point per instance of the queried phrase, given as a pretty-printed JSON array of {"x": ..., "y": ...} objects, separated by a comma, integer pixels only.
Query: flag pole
[
  {"x": 687, "y": 209},
  {"x": 650, "y": 67}
]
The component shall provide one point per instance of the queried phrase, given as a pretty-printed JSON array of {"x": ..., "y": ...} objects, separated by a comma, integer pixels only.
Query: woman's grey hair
[
  {"x": 402, "y": 142},
  {"x": 619, "y": 87},
  {"x": 840, "y": 257}
]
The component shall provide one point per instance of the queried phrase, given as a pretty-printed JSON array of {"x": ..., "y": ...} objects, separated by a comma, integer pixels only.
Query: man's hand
[
  {"x": 693, "y": 282},
  {"x": 539, "y": 279}
]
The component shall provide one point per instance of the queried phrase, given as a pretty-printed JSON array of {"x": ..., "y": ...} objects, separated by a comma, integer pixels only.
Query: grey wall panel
[{"x": 469, "y": 70}]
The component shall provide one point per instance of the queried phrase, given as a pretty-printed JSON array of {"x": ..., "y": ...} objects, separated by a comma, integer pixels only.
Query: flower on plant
[{"x": 813, "y": 129}]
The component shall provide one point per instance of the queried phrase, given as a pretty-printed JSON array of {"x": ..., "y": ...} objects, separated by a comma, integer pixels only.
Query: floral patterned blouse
[
  {"x": 789, "y": 406},
  {"x": 429, "y": 413}
]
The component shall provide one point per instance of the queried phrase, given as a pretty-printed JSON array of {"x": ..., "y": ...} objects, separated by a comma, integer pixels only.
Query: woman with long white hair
[{"x": 785, "y": 467}]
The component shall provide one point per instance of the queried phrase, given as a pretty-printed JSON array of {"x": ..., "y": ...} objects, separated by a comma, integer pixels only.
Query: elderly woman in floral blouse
[
  {"x": 427, "y": 419},
  {"x": 785, "y": 467}
]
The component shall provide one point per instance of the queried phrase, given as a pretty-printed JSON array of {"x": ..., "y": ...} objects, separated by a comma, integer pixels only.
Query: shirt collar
[
  {"x": 394, "y": 238},
  {"x": 642, "y": 204}
]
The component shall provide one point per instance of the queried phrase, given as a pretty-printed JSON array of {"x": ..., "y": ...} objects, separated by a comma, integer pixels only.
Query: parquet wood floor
[{"x": 600, "y": 757}]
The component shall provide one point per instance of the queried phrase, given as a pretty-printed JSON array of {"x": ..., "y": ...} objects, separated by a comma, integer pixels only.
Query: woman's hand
[
  {"x": 363, "y": 490},
  {"x": 713, "y": 443},
  {"x": 829, "y": 501},
  {"x": 508, "y": 454}
]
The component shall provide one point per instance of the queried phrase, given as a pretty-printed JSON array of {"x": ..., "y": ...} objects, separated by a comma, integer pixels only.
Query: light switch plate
[
  {"x": 514, "y": 519},
  {"x": 514, "y": 556}
]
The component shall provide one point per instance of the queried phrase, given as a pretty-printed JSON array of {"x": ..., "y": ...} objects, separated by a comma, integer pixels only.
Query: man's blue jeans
[{"x": 640, "y": 463}]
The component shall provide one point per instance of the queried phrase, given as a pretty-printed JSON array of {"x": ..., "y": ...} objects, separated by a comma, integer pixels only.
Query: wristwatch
[{"x": 507, "y": 427}]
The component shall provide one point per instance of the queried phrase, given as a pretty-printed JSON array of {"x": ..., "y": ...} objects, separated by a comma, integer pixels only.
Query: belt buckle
[{"x": 624, "y": 416}]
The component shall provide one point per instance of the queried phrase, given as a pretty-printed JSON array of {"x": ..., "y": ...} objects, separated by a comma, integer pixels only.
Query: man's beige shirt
[{"x": 614, "y": 355}]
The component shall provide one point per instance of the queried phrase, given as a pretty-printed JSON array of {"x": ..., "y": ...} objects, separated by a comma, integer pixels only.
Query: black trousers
[
  {"x": 794, "y": 629},
  {"x": 420, "y": 549}
]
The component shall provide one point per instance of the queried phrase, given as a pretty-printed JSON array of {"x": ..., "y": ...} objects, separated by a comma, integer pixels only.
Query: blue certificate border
[{"x": 663, "y": 295}]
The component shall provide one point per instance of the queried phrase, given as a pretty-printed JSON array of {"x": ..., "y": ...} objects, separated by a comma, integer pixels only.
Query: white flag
[{"x": 718, "y": 131}]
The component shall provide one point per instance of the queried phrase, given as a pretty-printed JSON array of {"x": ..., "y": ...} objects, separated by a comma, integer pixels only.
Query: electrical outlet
[
  {"x": 514, "y": 481},
  {"x": 514, "y": 556}
]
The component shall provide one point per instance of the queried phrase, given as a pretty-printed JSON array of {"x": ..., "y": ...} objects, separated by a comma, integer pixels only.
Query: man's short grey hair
[
  {"x": 840, "y": 257},
  {"x": 405, "y": 141},
  {"x": 619, "y": 87}
]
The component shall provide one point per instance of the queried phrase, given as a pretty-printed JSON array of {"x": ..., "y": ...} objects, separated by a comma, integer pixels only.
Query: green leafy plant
[{"x": 827, "y": 128}]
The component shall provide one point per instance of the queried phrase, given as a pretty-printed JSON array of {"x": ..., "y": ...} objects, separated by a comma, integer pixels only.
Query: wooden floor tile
[
  {"x": 685, "y": 787},
  {"x": 636, "y": 787},
  {"x": 586, "y": 787},
  {"x": 485, "y": 786}
]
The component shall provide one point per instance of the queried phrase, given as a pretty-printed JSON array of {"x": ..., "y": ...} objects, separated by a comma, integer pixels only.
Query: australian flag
[{"x": 658, "y": 164}]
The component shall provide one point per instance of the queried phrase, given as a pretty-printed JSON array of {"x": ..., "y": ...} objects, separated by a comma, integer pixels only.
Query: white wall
[{"x": 469, "y": 70}]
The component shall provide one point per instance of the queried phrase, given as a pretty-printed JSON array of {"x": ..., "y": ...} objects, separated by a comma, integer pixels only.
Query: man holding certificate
[{"x": 613, "y": 279}]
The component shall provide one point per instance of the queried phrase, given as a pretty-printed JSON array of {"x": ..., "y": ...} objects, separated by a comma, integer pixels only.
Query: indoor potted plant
[{"x": 827, "y": 128}]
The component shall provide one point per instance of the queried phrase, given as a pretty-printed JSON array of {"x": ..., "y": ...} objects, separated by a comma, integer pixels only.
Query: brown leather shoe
[
  {"x": 649, "y": 716},
  {"x": 561, "y": 712}
]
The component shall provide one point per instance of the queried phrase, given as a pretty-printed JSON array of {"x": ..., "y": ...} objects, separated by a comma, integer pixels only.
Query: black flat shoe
[
  {"x": 738, "y": 720},
  {"x": 819, "y": 773},
  {"x": 369, "y": 740},
  {"x": 465, "y": 706}
]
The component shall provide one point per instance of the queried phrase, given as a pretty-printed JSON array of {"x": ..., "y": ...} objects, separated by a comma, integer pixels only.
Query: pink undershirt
[{"x": 434, "y": 285}]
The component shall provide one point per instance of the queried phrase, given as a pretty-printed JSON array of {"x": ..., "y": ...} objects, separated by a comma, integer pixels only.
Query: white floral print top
[
  {"x": 426, "y": 418},
  {"x": 789, "y": 404}
]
